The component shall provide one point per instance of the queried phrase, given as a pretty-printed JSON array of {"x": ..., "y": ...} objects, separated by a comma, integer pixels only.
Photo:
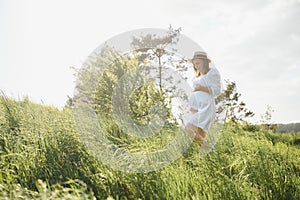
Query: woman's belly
[{"x": 200, "y": 100}]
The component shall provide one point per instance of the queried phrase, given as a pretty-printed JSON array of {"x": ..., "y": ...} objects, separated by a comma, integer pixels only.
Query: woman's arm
[
  {"x": 213, "y": 80},
  {"x": 202, "y": 88}
]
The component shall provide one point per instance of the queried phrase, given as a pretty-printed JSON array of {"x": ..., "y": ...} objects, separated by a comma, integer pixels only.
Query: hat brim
[{"x": 191, "y": 60}]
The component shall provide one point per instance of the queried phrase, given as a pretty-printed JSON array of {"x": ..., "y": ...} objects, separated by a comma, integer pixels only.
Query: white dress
[{"x": 204, "y": 102}]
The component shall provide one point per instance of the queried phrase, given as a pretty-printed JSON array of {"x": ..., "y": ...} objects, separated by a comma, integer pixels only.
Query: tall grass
[{"x": 42, "y": 157}]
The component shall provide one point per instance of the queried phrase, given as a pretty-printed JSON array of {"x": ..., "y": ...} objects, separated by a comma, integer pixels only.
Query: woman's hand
[
  {"x": 197, "y": 88},
  {"x": 193, "y": 110}
]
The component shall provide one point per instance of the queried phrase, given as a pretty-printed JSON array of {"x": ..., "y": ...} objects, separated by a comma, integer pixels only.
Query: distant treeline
[{"x": 287, "y": 128}]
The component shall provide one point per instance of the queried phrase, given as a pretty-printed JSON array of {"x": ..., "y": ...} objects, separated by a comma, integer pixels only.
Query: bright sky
[{"x": 254, "y": 43}]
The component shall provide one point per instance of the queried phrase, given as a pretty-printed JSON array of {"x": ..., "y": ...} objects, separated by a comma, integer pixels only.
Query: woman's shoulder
[{"x": 213, "y": 72}]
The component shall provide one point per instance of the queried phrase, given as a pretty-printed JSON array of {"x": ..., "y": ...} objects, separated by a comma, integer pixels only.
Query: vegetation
[
  {"x": 287, "y": 128},
  {"x": 42, "y": 157},
  {"x": 230, "y": 107}
]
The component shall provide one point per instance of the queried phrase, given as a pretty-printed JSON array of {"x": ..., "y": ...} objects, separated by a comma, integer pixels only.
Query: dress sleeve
[{"x": 214, "y": 82}]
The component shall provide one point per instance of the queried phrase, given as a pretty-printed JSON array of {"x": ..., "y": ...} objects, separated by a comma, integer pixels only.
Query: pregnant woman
[{"x": 207, "y": 85}]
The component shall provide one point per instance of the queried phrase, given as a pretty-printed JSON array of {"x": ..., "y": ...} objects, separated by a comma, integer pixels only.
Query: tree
[
  {"x": 141, "y": 98},
  {"x": 152, "y": 49},
  {"x": 157, "y": 52},
  {"x": 229, "y": 106},
  {"x": 109, "y": 67},
  {"x": 266, "y": 119},
  {"x": 99, "y": 80}
]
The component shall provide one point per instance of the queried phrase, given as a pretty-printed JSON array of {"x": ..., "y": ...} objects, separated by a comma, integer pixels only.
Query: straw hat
[{"x": 200, "y": 55}]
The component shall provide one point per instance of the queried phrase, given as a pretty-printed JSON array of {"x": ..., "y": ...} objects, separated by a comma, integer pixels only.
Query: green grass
[{"x": 42, "y": 157}]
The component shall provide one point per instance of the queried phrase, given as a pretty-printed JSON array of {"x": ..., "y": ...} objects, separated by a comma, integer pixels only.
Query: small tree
[
  {"x": 229, "y": 106},
  {"x": 152, "y": 49},
  {"x": 266, "y": 119}
]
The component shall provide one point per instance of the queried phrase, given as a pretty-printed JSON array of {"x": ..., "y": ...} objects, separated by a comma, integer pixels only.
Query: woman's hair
[{"x": 197, "y": 72}]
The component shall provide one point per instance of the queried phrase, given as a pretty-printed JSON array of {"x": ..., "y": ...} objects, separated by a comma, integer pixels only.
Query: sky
[{"x": 254, "y": 43}]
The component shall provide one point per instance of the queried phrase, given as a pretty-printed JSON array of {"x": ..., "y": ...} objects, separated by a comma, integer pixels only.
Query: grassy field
[{"x": 42, "y": 157}]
